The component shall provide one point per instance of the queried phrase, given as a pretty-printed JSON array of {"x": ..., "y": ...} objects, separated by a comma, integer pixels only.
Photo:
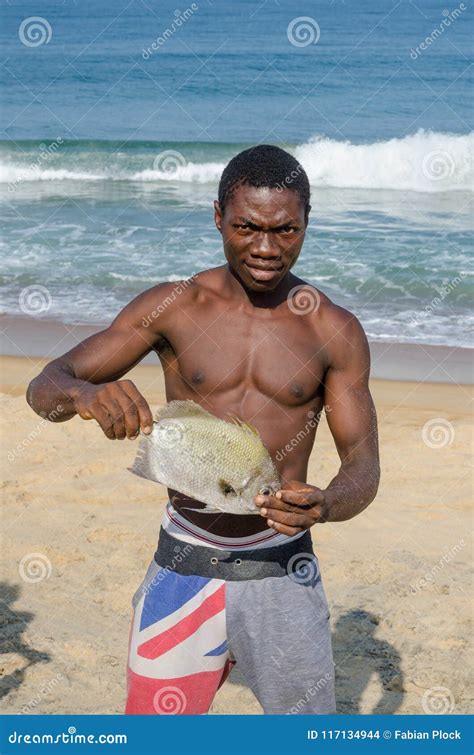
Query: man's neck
[{"x": 259, "y": 299}]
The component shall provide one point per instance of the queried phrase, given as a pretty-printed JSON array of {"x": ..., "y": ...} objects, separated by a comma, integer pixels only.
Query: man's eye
[{"x": 288, "y": 230}]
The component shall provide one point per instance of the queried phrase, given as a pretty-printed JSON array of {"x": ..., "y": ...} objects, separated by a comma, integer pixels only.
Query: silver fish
[{"x": 222, "y": 464}]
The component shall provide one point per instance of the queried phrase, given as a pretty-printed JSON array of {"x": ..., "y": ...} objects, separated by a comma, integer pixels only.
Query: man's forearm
[
  {"x": 351, "y": 491},
  {"x": 51, "y": 393}
]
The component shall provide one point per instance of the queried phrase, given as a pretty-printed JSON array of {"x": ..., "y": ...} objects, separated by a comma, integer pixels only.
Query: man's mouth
[{"x": 263, "y": 272}]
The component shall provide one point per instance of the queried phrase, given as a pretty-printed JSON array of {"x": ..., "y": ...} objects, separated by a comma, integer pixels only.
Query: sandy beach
[{"x": 80, "y": 530}]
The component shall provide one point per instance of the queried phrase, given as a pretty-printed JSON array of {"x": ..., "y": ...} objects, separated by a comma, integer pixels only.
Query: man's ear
[
  {"x": 218, "y": 215},
  {"x": 306, "y": 216}
]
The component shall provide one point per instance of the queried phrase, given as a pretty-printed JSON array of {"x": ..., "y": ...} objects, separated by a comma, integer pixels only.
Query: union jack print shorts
[{"x": 200, "y": 610}]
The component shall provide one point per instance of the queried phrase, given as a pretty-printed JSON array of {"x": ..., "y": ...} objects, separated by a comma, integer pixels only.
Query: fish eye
[
  {"x": 265, "y": 491},
  {"x": 226, "y": 488}
]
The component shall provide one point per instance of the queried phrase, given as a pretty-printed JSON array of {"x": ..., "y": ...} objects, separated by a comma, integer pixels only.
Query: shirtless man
[{"x": 252, "y": 340}]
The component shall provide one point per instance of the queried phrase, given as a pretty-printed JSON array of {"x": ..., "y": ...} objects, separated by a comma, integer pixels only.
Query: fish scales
[{"x": 223, "y": 464}]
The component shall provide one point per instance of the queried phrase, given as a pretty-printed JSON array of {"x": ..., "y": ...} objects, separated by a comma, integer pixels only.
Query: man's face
[{"x": 263, "y": 232}]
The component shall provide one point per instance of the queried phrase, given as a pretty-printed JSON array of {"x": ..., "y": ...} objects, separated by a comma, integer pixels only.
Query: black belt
[{"x": 274, "y": 561}]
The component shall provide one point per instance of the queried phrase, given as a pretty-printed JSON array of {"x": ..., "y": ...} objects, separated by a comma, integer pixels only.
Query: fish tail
[{"x": 142, "y": 463}]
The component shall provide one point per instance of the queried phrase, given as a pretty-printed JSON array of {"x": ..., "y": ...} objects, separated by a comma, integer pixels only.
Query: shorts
[{"x": 200, "y": 610}]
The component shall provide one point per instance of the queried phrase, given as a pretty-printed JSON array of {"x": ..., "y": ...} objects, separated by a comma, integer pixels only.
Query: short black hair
[{"x": 264, "y": 166}]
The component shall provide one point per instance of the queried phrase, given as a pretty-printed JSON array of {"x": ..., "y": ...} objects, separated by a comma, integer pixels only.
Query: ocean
[{"x": 117, "y": 122}]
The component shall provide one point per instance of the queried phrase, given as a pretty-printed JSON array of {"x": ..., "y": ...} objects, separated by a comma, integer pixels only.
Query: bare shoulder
[{"x": 344, "y": 337}]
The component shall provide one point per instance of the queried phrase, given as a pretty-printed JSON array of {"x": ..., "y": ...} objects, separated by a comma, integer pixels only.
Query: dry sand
[{"x": 79, "y": 532}]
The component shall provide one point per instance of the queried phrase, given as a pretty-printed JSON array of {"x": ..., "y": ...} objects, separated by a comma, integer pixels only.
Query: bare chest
[{"x": 277, "y": 358}]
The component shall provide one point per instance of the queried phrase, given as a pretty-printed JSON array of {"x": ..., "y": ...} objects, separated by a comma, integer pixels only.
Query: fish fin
[
  {"x": 141, "y": 465},
  {"x": 176, "y": 409},
  {"x": 244, "y": 425}
]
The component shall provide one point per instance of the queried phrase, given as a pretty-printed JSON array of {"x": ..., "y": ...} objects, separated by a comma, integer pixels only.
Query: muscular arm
[
  {"x": 353, "y": 423},
  {"x": 85, "y": 380}
]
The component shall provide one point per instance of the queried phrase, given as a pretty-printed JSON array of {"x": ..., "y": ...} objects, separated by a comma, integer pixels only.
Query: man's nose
[{"x": 265, "y": 245}]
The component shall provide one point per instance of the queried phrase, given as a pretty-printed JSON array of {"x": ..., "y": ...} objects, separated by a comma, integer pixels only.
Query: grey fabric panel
[{"x": 279, "y": 635}]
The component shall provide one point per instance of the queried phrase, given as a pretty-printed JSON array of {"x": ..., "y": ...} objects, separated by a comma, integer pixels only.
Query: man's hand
[
  {"x": 294, "y": 509},
  {"x": 118, "y": 407}
]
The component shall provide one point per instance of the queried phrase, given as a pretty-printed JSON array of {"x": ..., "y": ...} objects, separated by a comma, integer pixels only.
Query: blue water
[{"x": 111, "y": 151}]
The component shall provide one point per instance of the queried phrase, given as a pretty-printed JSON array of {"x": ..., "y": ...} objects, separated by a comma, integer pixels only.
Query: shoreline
[{"x": 34, "y": 337}]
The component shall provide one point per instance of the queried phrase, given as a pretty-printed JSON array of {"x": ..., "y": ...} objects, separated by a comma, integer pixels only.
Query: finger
[
  {"x": 290, "y": 519},
  {"x": 272, "y": 502},
  {"x": 301, "y": 498},
  {"x": 104, "y": 419},
  {"x": 130, "y": 415},
  {"x": 144, "y": 411},
  {"x": 284, "y": 529},
  {"x": 116, "y": 413},
  {"x": 266, "y": 500}
]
